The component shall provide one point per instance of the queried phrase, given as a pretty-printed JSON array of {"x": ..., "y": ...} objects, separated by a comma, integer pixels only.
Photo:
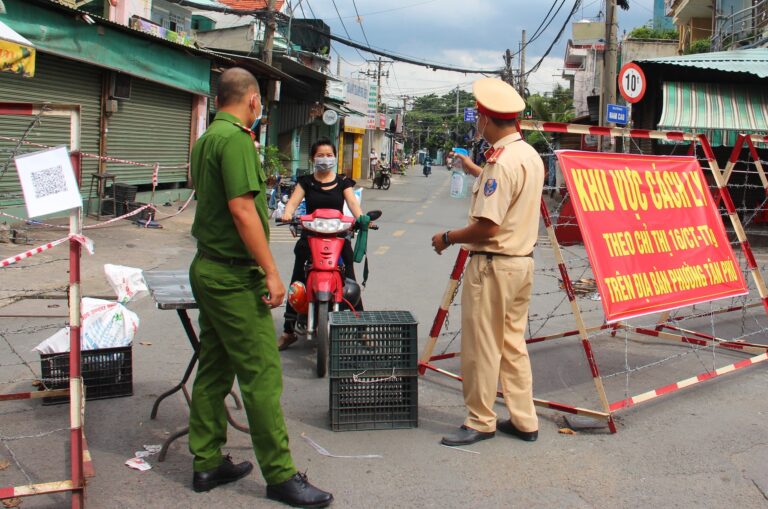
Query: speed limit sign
[{"x": 632, "y": 82}]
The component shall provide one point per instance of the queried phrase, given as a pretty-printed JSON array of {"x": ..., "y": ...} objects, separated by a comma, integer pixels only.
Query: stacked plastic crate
[{"x": 373, "y": 368}]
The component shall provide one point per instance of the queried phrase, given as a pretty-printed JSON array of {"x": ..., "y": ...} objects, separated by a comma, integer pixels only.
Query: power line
[
  {"x": 407, "y": 60},
  {"x": 359, "y": 21},
  {"x": 342, "y": 22},
  {"x": 535, "y": 68}
]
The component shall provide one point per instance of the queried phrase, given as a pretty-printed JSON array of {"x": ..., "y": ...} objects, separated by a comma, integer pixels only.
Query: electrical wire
[
  {"x": 341, "y": 20},
  {"x": 359, "y": 20},
  {"x": 408, "y": 60},
  {"x": 535, "y": 68}
]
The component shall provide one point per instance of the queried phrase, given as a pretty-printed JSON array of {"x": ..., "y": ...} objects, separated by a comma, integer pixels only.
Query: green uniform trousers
[{"x": 237, "y": 338}]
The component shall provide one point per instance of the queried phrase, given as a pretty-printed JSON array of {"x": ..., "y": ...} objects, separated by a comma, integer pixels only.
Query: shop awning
[
  {"x": 721, "y": 111},
  {"x": 59, "y": 30},
  {"x": 17, "y": 54}
]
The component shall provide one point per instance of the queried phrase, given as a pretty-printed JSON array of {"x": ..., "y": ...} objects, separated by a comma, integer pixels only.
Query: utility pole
[
  {"x": 269, "y": 38},
  {"x": 457, "y": 99},
  {"x": 269, "y": 33},
  {"x": 377, "y": 73},
  {"x": 507, "y": 74},
  {"x": 608, "y": 91},
  {"x": 522, "y": 67}
]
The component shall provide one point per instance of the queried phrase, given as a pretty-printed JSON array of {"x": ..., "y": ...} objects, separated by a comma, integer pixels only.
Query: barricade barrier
[{"x": 722, "y": 336}]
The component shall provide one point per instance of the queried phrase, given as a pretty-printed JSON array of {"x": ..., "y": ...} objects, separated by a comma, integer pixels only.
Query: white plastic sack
[
  {"x": 105, "y": 324},
  {"x": 359, "y": 196},
  {"x": 127, "y": 282}
]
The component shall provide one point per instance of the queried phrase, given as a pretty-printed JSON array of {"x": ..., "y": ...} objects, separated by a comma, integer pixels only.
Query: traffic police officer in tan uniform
[
  {"x": 501, "y": 234},
  {"x": 235, "y": 282}
]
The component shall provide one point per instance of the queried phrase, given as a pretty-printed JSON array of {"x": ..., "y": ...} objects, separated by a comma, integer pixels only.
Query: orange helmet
[{"x": 297, "y": 297}]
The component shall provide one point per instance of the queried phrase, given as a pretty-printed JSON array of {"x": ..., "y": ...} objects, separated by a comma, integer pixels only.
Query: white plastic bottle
[{"x": 458, "y": 189}]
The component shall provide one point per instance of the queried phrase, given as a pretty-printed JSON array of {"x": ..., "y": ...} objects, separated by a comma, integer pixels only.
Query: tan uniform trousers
[{"x": 494, "y": 312}]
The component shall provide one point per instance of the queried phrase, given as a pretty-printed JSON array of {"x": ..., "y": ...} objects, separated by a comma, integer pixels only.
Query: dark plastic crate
[
  {"x": 374, "y": 400},
  {"x": 374, "y": 340},
  {"x": 107, "y": 373},
  {"x": 144, "y": 215}
]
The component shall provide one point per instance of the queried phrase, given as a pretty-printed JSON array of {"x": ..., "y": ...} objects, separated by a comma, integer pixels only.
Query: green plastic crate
[
  {"x": 373, "y": 340},
  {"x": 374, "y": 400}
]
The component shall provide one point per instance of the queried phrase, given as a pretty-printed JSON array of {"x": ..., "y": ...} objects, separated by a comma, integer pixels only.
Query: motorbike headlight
[
  {"x": 284, "y": 199},
  {"x": 326, "y": 225}
]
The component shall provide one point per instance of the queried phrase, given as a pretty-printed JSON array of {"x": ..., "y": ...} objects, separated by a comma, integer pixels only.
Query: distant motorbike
[
  {"x": 427, "y": 170},
  {"x": 382, "y": 178}
]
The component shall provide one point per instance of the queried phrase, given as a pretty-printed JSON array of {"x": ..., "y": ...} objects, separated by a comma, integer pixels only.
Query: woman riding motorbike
[{"x": 323, "y": 189}]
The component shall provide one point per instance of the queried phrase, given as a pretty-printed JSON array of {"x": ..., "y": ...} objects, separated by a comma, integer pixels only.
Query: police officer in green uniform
[{"x": 235, "y": 282}]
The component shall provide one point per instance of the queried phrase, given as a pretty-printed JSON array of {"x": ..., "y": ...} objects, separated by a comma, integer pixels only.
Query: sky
[{"x": 469, "y": 34}]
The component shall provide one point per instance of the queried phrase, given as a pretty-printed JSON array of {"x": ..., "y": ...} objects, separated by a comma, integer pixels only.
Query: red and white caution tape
[{"x": 84, "y": 241}]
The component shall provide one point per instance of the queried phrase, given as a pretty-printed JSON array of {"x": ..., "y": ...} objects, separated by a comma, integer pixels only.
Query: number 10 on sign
[{"x": 632, "y": 82}]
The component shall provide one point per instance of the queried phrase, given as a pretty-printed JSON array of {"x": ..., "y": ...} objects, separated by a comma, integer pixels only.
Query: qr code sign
[{"x": 49, "y": 181}]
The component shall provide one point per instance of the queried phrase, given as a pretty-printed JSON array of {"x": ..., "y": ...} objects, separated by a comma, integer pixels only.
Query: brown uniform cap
[{"x": 497, "y": 99}]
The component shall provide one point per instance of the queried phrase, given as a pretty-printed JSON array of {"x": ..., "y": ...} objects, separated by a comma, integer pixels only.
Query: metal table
[{"x": 171, "y": 290}]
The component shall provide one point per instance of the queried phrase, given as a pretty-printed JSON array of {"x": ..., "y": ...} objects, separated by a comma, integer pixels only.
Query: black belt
[
  {"x": 242, "y": 262},
  {"x": 491, "y": 255}
]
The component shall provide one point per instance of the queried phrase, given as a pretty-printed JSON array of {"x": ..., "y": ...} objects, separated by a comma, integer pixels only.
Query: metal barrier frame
[
  {"x": 80, "y": 460},
  {"x": 685, "y": 336}
]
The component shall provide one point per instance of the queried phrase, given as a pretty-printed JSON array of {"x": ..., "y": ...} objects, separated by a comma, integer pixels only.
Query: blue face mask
[{"x": 256, "y": 122}]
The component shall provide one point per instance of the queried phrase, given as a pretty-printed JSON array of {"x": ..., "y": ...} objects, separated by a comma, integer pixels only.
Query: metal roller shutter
[
  {"x": 56, "y": 80},
  {"x": 153, "y": 126},
  {"x": 304, "y": 145}
]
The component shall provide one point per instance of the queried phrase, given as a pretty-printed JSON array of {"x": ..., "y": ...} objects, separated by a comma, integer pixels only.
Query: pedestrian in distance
[
  {"x": 500, "y": 236},
  {"x": 373, "y": 164},
  {"x": 236, "y": 284},
  {"x": 324, "y": 188}
]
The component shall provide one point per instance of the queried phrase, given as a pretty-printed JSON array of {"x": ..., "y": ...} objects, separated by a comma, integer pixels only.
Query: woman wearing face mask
[{"x": 323, "y": 189}]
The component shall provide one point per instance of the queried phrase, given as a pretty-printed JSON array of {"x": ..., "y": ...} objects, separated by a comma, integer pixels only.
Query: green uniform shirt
[{"x": 225, "y": 165}]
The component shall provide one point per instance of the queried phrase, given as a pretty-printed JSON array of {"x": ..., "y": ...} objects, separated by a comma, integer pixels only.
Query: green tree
[
  {"x": 433, "y": 123},
  {"x": 554, "y": 107},
  {"x": 652, "y": 33}
]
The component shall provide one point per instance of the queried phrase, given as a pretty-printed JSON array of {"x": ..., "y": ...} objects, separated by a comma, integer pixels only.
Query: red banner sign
[{"x": 653, "y": 235}]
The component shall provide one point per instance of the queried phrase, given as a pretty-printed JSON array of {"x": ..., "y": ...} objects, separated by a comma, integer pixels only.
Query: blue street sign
[
  {"x": 470, "y": 114},
  {"x": 618, "y": 114}
]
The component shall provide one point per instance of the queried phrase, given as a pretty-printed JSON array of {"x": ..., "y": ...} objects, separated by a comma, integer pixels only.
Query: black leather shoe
[
  {"x": 225, "y": 473},
  {"x": 466, "y": 436},
  {"x": 510, "y": 429},
  {"x": 298, "y": 492}
]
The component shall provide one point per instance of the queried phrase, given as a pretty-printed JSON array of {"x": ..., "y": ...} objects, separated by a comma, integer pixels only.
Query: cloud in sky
[{"x": 457, "y": 33}]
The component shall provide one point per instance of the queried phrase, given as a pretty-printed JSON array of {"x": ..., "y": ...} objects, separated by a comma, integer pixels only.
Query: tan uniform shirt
[{"x": 508, "y": 192}]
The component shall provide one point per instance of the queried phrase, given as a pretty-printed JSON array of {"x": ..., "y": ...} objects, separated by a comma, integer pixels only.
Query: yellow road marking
[
  {"x": 382, "y": 250},
  {"x": 410, "y": 221},
  {"x": 398, "y": 233},
  {"x": 420, "y": 213}
]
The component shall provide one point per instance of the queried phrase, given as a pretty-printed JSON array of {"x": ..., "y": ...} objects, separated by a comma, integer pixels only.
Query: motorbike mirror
[{"x": 374, "y": 214}]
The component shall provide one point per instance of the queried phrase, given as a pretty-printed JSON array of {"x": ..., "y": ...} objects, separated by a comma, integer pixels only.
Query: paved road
[{"x": 699, "y": 448}]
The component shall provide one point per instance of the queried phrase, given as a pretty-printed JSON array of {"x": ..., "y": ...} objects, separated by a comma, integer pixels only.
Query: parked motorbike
[
  {"x": 280, "y": 192},
  {"x": 427, "y": 170},
  {"x": 326, "y": 288},
  {"x": 382, "y": 178}
]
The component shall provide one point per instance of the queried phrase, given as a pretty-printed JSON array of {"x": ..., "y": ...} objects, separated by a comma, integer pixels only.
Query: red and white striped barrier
[
  {"x": 82, "y": 240},
  {"x": 668, "y": 389},
  {"x": 442, "y": 312},
  {"x": 558, "y": 127}
]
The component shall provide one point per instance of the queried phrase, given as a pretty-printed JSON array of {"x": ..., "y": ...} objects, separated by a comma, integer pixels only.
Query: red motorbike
[{"x": 326, "y": 288}]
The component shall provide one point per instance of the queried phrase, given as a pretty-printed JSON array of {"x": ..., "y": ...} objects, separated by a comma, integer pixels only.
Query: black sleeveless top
[{"x": 319, "y": 196}]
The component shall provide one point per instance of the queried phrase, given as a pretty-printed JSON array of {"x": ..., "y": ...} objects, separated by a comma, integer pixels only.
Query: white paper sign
[{"x": 48, "y": 182}]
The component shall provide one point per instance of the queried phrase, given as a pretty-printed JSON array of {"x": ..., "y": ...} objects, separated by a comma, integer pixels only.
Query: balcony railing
[{"x": 744, "y": 27}]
